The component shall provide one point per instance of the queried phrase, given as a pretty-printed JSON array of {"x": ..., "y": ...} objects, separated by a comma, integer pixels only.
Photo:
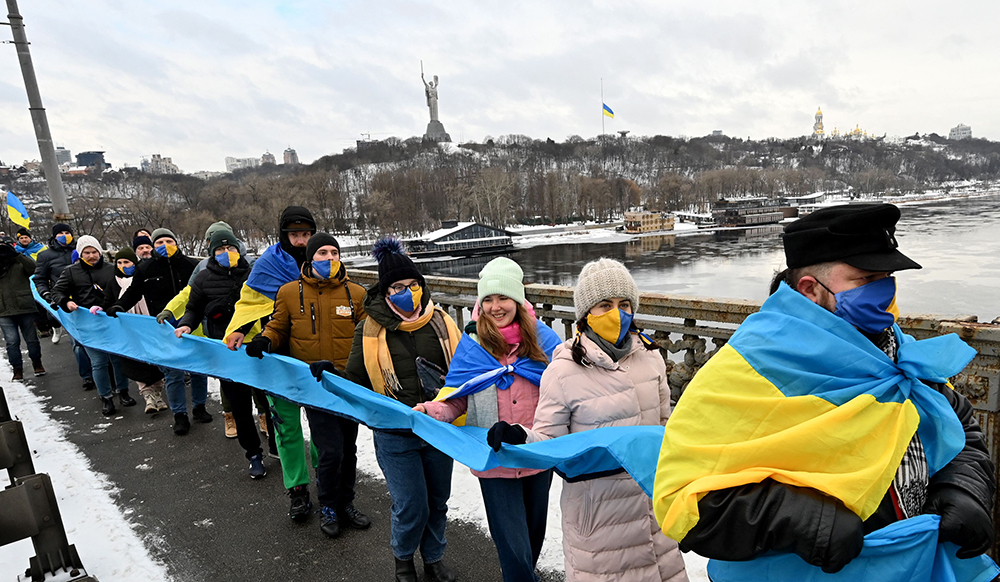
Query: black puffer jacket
[
  {"x": 741, "y": 523},
  {"x": 404, "y": 347},
  {"x": 15, "y": 290},
  {"x": 214, "y": 292},
  {"x": 157, "y": 279},
  {"x": 50, "y": 265},
  {"x": 83, "y": 284}
]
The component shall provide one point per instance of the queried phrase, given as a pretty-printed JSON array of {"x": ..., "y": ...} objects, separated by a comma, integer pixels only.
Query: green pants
[{"x": 291, "y": 444}]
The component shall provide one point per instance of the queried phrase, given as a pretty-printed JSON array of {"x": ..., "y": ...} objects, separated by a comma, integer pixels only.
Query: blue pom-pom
[{"x": 386, "y": 246}]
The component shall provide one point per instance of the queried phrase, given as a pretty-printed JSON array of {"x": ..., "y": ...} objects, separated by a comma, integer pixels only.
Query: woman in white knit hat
[
  {"x": 496, "y": 371},
  {"x": 608, "y": 374}
]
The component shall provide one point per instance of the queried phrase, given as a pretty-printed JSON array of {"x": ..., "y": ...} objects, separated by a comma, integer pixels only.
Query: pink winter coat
[
  {"x": 516, "y": 405},
  {"x": 609, "y": 531}
]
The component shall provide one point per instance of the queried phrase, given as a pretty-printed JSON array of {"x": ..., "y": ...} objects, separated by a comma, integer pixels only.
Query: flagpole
[{"x": 602, "y": 106}]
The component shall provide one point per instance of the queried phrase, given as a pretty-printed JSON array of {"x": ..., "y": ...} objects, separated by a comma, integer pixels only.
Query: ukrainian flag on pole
[
  {"x": 16, "y": 211},
  {"x": 608, "y": 111}
]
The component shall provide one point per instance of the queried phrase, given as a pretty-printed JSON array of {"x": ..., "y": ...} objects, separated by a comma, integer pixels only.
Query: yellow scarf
[{"x": 378, "y": 361}]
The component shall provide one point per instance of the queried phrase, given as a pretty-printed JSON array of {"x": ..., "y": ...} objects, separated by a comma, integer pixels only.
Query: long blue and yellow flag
[
  {"x": 608, "y": 111},
  {"x": 16, "y": 211}
]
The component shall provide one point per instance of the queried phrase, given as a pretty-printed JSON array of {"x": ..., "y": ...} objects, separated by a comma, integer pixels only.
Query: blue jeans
[
  {"x": 99, "y": 365},
  {"x": 82, "y": 359},
  {"x": 419, "y": 480},
  {"x": 177, "y": 391},
  {"x": 516, "y": 510},
  {"x": 13, "y": 328}
]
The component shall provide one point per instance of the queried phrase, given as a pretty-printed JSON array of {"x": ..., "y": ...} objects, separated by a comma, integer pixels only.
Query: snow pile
[{"x": 103, "y": 536}]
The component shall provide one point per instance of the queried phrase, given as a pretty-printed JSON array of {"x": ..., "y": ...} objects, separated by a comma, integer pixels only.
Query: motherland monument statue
[{"x": 435, "y": 129}]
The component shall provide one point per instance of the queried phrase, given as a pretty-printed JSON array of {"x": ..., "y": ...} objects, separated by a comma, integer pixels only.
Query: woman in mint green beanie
[{"x": 506, "y": 333}]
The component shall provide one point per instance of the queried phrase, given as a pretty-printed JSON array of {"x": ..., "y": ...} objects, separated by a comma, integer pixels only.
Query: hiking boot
[
  {"x": 108, "y": 406},
  {"x": 160, "y": 404},
  {"x": 88, "y": 384},
  {"x": 199, "y": 414},
  {"x": 56, "y": 334},
  {"x": 300, "y": 507},
  {"x": 328, "y": 522},
  {"x": 438, "y": 572},
  {"x": 125, "y": 399},
  {"x": 18, "y": 374},
  {"x": 150, "y": 402},
  {"x": 181, "y": 423},
  {"x": 351, "y": 516},
  {"x": 405, "y": 571},
  {"x": 39, "y": 369},
  {"x": 257, "y": 470},
  {"x": 230, "y": 425},
  {"x": 262, "y": 421}
]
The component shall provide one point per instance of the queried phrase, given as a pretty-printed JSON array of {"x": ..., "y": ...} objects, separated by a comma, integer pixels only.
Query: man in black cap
[{"x": 841, "y": 259}]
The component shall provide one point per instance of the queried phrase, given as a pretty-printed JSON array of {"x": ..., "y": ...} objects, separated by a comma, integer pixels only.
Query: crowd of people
[{"x": 509, "y": 373}]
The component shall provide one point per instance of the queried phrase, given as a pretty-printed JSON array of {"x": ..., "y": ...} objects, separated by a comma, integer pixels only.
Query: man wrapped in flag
[{"x": 821, "y": 439}]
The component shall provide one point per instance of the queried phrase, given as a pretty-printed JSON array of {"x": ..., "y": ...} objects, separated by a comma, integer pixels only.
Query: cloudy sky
[{"x": 199, "y": 81}]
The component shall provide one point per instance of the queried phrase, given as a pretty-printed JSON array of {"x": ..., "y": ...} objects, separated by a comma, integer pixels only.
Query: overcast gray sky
[{"x": 199, "y": 81}]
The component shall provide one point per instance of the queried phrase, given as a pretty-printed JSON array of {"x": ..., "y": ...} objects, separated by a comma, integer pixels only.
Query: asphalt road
[{"x": 203, "y": 476}]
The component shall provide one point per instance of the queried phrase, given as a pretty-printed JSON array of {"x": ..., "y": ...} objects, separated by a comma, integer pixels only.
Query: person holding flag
[
  {"x": 26, "y": 246},
  {"x": 18, "y": 309},
  {"x": 821, "y": 442},
  {"x": 495, "y": 374}
]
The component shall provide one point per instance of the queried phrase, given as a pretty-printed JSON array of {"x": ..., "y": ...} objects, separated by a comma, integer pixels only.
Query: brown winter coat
[
  {"x": 609, "y": 531},
  {"x": 315, "y": 318}
]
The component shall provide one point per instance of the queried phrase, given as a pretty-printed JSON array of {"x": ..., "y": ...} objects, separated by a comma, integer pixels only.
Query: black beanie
[
  {"x": 295, "y": 218},
  {"x": 126, "y": 253},
  {"x": 393, "y": 263},
  {"x": 221, "y": 237},
  {"x": 59, "y": 227},
  {"x": 320, "y": 239},
  {"x": 141, "y": 240},
  {"x": 23, "y": 232}
]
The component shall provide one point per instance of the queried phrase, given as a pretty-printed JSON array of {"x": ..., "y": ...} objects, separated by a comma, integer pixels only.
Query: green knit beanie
[
  {"x": 502, "y": 276},
  {"x": 216, "y": 226}
]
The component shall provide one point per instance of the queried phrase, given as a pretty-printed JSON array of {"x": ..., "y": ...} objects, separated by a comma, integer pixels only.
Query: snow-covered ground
[{"x": 99, "y": 528}]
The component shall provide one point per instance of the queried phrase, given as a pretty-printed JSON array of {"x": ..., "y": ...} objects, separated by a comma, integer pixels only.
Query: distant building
[
  {"x": 93, "y": 160},
  {"x": 717, "y": 133},
  {"x": 267, "y": 158},
  {"x": 32, "y": 167},
  {"x": 960, "y": 131},
  {"x": 206, "y": 175},
  {"x": 63, "y": 156},
  {"x": 233, "y": 164},
  {"x": 818, "y": 124},
  {"x": 159, "y": 165},
  {"x": 461, "y": 238},
  {"x": 291, "y": 157}
]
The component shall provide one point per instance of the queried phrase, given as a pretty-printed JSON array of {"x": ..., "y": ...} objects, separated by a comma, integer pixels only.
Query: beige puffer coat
[{"x": 609, "y": 531}]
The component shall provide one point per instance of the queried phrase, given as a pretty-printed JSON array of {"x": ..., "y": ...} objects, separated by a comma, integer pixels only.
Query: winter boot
[
  {"x": 301, "y": 507},
  {"x": 328, "y": 523},
  {"x": 257, "y": 470},
  {"x": 88, "y": 384},
  {"x": 125, "y": 399},
  {"x": 354, "y": 518},
  {"x": 405, "y": 571},
  {"x": 39, "y": 369},
  {"x": 230, "y": 425},
  {"x": 262, "y": 421},
  {"x": 438, "y": 572},
  {"x": 199, "y": 414},
  {"x": 18, "y": 374},
  {"x": 56, "y": 334},
  {"x": 150, "y": 399},
  {"x": 108, "y": 406},
  {"x": 160, "y": 404},
  {"x": 181, "y": 423}
]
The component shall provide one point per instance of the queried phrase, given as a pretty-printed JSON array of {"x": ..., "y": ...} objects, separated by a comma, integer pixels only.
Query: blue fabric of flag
[
  {"x": 608, "y": 111},
  {"x": 905, "y": 551},
  {"x": 474, "y": 369},
  {"x": 832, "y": 360},
  {"x": 273, "y": 269}
]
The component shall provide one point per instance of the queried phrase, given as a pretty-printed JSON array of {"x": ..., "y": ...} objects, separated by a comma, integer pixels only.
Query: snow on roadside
[{"x": 108, "y": 546}]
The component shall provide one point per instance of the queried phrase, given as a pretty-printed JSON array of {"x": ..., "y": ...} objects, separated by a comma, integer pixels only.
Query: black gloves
[
  {"x": 503, "y": 432},
  {"x": 259, "y": 346},
  {"x": 847, "y": 536},
  {"x": 964, "y": 522},
  {"x": 114, "y": 310},
  {"x": 317, "y": 369}
]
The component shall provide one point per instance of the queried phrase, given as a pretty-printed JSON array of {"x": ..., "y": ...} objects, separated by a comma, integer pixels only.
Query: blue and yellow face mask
[
  {"x": 64, "y": 239},
  {"x": 166, "y": 250},
  {"x": 408, "y": 299},
  {"x": 612, "y": 326},
  {"x": 228, "y": 259},
  {"x": 871, "y": 307},
  {"x": 326, "y": 269}
]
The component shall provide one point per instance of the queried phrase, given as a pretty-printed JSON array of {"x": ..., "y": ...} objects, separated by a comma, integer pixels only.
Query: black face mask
[{"x": 297, "y": 253}]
